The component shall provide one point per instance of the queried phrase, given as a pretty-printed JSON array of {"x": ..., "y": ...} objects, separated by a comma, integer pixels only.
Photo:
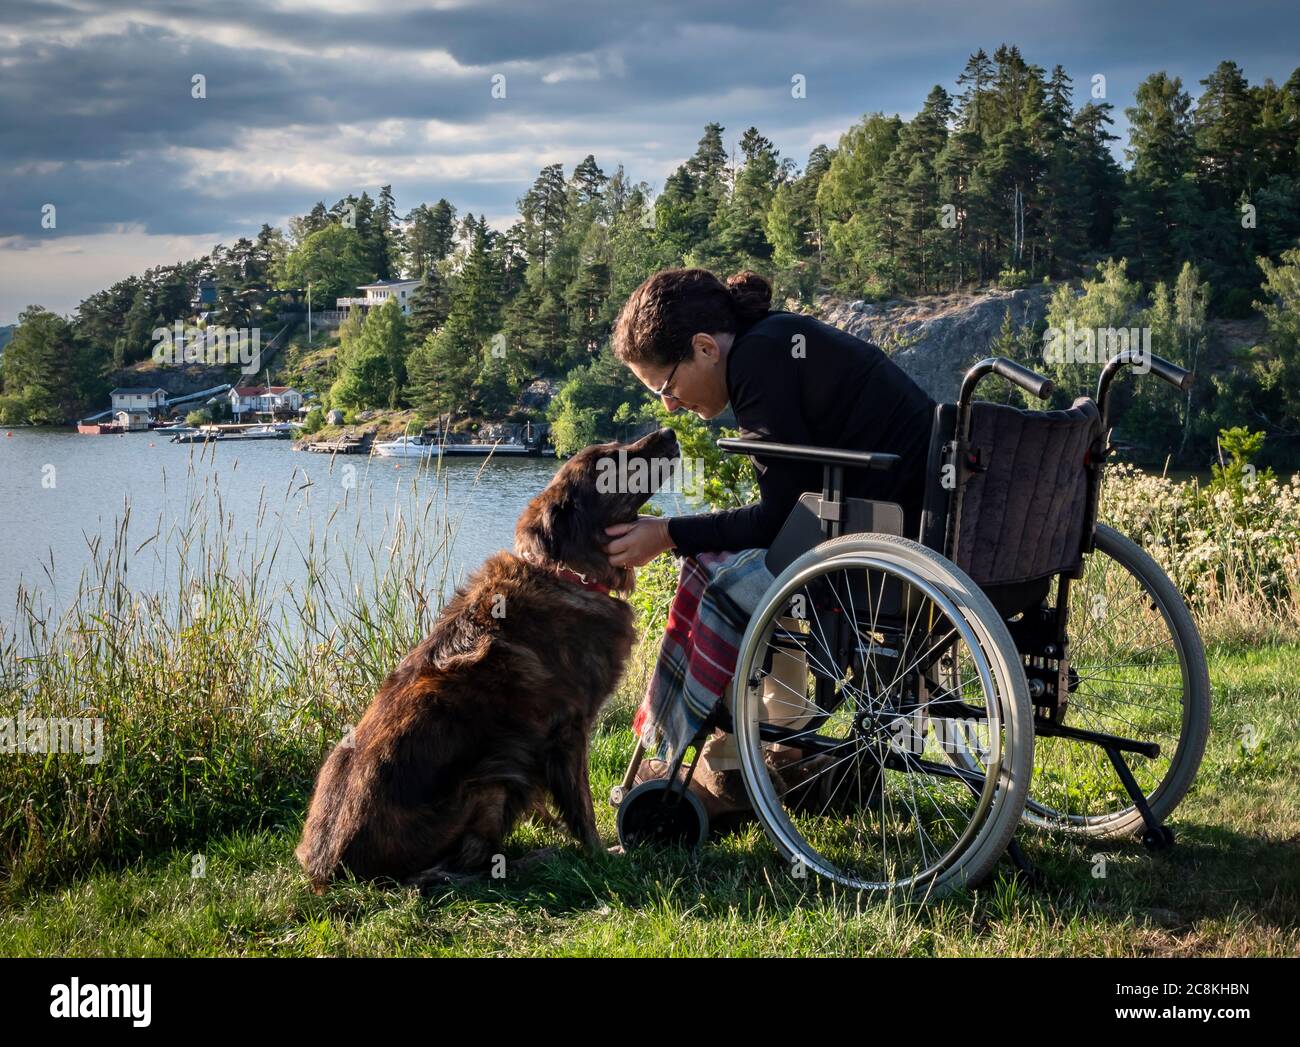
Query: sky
[{"x": 310, "y": 100}]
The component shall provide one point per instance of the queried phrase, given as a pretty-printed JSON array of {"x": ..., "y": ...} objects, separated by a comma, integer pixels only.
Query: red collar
[{"x": 569, "y": 575}]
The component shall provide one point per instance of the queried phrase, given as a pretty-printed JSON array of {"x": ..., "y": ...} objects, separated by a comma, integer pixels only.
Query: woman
[{"x": 701, "y": 344}]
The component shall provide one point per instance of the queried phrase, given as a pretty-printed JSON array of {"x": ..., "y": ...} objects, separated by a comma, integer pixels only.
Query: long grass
[{"x": 221, "y": 689}]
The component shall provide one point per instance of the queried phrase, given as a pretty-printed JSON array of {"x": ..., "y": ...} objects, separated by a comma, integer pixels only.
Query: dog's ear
[
  {"x": 536, "y": 535},
  {"x": 560, "y": 526}
]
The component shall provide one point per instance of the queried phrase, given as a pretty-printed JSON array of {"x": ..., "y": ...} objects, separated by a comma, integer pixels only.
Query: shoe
[{"x": 823, "y": 782}]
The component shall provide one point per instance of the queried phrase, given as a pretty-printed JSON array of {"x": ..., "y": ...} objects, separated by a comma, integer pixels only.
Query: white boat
[
  {"x": 497, "y": 450},
  {"x": 196, "y": 436},
  {"x": 278, "y": 431},
  {"x": 408, "y": 447}
]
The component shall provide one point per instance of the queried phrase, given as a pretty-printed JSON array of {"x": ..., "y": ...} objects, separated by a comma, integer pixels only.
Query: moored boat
[
  {"x": 501, "y": 448},
  {"x": 409, "y": 447},
  {"x": 197, "y": 436},
  {"x": 275, "y": 431}
]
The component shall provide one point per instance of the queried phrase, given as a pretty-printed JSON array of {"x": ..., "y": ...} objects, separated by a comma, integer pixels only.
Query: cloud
[{"x": 312, "y": 99}]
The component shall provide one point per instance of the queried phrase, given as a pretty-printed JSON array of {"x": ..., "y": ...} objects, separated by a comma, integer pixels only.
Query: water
[{"x": 60, "y": 490}]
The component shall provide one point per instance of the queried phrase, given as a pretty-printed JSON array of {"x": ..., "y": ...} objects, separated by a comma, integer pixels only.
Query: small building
[
  {"x": 378, "y": 294},
  {"x": 132, "y": 420},
  {"x": 204, "y": 297},
  {"x": 264, "y": 399},
  {"x": 132, "y": 398}
]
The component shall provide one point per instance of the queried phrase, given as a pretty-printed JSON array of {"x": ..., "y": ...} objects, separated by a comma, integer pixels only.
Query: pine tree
[
  {"x": 449, "y": 371},
  {"x": 1224, "y": 128},
  {"x": 738, "y": 226},
  {"x": 1098, "y": 175},
  {"x": 589, "y": 181},
  {"x": 430, "y": 305},
  {"x": 973, "y": 106},
  {"x": 544, "y": 210},
  {"x": 389, "y": 242},
  {"x": 1160, "y": 199}
]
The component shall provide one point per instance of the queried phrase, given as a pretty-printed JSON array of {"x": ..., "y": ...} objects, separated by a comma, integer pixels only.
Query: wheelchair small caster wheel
[
  {"x": 1158, "y": 839},
  {"x": 616, "y": 795},
  {"x": 651, "y": 814}
]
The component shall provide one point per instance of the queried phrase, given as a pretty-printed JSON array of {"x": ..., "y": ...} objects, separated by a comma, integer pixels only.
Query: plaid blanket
[{"x": 716, "y": 595}]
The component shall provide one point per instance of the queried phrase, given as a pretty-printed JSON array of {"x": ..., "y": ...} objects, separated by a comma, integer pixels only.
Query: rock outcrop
[{"x": 935, "y": 339}]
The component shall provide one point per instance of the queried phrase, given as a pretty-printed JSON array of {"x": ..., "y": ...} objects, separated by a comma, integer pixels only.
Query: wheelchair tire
[
  {"x": 1124, "y": 598},
  {"x": 950, "y": 832}
]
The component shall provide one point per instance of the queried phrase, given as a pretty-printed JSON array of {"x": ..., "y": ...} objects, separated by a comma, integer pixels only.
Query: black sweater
[{"x": 833, "y": 390}]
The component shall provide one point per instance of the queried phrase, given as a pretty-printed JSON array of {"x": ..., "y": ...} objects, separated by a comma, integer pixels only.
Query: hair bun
[{"x": 751, "y": 295}]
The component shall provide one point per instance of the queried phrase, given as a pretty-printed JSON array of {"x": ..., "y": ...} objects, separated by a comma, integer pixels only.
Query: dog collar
[{"x": 570, "y": 575}]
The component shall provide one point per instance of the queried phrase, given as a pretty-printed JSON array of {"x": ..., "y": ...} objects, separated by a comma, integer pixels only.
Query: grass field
[
  {"x": 221, "y": 696},
  {"x": 1230, "y": 887}
]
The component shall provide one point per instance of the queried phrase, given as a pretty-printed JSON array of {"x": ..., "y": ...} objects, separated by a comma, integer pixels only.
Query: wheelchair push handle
[
  {"x": 824, "y": 455},
  {"x": 1032, "y": 383},
  {"x": 1180, "y": 378}
]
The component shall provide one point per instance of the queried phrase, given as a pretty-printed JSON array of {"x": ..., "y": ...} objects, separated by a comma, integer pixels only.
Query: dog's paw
[
  {"x": 533, "y": 857},
  {"x": 440, "y": 877}
]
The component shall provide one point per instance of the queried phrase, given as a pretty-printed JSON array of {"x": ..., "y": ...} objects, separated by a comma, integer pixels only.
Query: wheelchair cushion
[{"x": 1022, "y": 516}]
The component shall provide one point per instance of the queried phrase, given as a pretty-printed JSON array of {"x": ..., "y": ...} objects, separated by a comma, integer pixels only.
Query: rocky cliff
[{"x": 935, "y": 339}]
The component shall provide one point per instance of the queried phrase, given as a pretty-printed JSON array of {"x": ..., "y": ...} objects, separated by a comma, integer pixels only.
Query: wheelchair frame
[{"x": 1039, "y": 633}]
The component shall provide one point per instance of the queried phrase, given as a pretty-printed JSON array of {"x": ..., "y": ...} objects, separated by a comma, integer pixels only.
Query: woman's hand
[{"x": 639, "y": 542}]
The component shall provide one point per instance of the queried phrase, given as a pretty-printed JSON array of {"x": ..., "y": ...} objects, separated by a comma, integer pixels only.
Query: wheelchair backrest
[{"x": 1022, "y": 506}]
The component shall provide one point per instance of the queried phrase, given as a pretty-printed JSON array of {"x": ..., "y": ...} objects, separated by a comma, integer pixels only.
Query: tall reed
[{"x": 221, "y": 687}]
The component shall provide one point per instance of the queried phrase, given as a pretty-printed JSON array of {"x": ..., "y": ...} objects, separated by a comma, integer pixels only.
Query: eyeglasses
[{"x": 663, "y": 389}]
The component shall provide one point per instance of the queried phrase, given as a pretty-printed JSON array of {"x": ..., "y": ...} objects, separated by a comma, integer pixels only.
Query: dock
[{"x": 346, "y": 444}]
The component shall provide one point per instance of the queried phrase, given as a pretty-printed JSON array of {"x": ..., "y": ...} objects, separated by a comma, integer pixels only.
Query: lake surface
[{"x": 60, "y": 491}]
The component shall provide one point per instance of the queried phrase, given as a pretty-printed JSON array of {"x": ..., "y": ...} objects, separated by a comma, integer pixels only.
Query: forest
[{"x": 1008, "y": 179}]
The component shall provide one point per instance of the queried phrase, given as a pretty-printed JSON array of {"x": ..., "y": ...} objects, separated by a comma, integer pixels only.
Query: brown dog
[{"x": 495, "y": 708}]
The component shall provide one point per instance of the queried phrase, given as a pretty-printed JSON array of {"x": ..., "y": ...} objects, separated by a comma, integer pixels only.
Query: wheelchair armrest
[{"x": 824, "y": 455}]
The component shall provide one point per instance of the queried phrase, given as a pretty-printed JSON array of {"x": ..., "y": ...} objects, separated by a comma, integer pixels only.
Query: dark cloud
[{"x": 310, "y": 102}]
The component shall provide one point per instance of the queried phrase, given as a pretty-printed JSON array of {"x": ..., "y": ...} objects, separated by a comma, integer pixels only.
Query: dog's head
[{"x": 599, "y": 486}]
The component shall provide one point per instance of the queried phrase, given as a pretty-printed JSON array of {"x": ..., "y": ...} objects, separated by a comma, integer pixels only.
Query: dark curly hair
[{"x": 661, "y": 316}]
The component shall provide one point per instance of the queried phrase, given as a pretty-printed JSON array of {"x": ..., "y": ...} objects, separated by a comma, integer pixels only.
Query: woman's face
[{"x": 698, "y": 383}]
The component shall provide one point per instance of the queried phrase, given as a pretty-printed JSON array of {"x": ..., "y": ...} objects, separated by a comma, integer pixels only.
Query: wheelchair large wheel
[
  {"x": 1137, "y": 670},
  {"x": 866, "y": 793}
]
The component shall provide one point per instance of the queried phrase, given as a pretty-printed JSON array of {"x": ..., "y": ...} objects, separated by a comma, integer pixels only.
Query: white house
[
  {"x": 379, "y": 293},
  {"x": 132, "y": 420},
  {"x": 263, "y": 399},
  {"x": 138, "y": 399}
]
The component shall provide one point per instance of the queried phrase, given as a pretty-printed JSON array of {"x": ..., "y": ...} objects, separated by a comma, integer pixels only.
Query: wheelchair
[{"x": 1017, "y": 664}]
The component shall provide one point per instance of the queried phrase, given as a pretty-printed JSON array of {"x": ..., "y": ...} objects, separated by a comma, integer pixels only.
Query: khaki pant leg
[{"x": 785, "y": 700}]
